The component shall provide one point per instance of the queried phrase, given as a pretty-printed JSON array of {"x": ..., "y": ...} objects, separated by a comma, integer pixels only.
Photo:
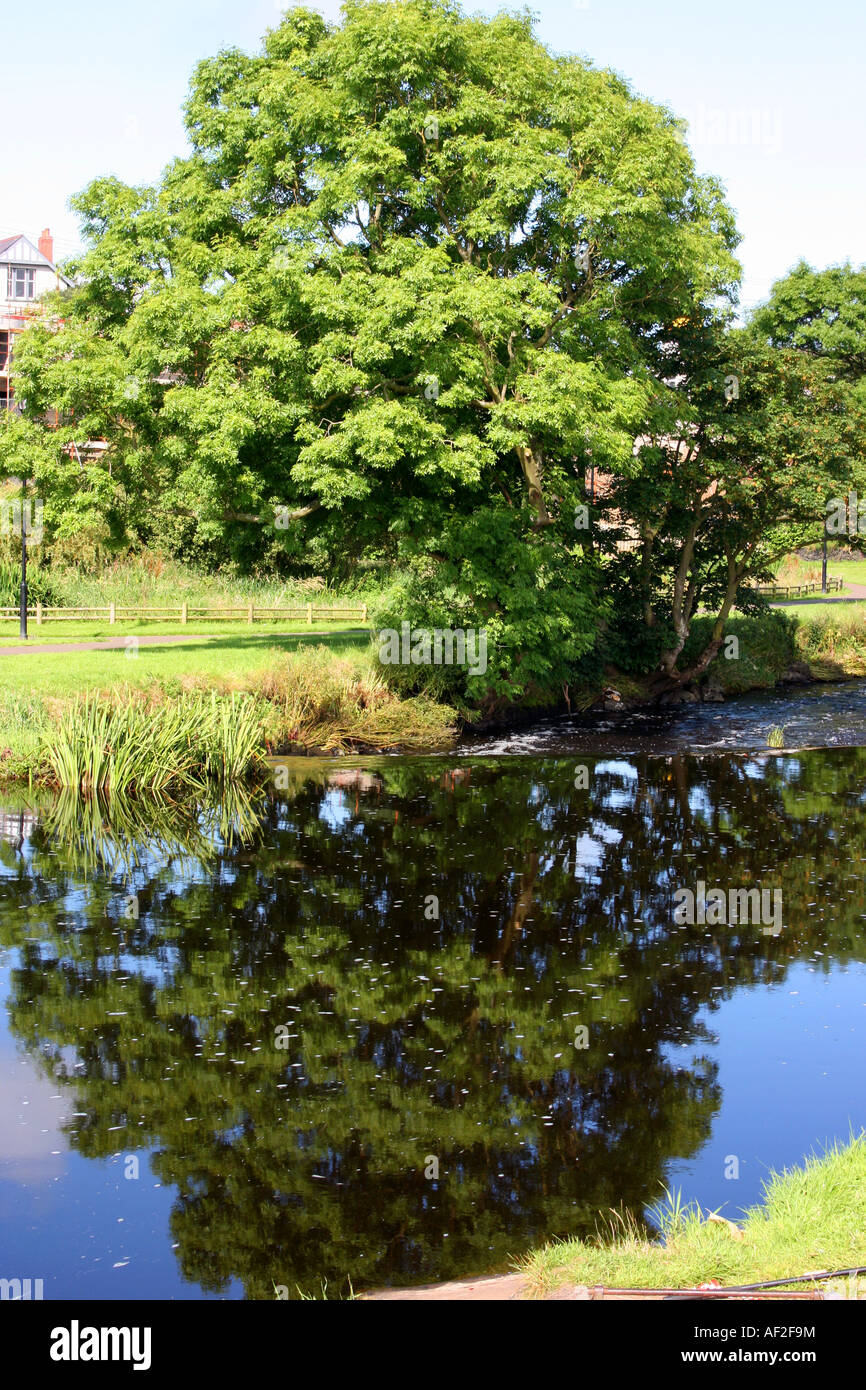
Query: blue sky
[{"x": 773, "y": 90}]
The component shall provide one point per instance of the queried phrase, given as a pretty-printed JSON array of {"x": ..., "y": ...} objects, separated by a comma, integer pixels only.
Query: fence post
[
  {"x": 39, "y": 615},
  {"x": 111, "y": 613},
  {"x": 364, "y": 616},
  {"x": 250, "y": 614},
  {"x": 183, "y": 612},
  {"x": 310, "y": 614}
]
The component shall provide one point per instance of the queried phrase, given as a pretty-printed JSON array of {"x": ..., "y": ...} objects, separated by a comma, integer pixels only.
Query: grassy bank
[
  {"x": 829, "y": 638},
  {"x": 321, "y": 691},
  {"x": 812, "y": 1218},
  {"x": 832, "y": 639},
  {"x": 225, "y": 661},
  {"x": 94, "y": 720}
]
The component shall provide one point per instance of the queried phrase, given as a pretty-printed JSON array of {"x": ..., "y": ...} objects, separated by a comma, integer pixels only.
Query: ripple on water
[{"x": 820, "y": 716}]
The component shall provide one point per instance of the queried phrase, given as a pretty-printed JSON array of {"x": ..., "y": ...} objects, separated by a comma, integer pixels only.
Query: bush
[
  {"x": 39, "y": 586},
  {"x": 766, "y": 649},
  {"x": 537, "y": 604}
]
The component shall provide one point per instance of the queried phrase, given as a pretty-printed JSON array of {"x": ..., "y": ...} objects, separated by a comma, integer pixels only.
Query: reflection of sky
[
  {"x": 32, "y": 1109},
  {"x": 787, "y": 1089},
  {"x": 335, "y": 810},
  {"x": 616, "y": 768},
  {"x": 76, "y": 1223},
  {"x": 589, "y": 850}
]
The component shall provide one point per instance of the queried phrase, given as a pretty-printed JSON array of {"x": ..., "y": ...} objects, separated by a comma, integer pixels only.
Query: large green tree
[
  {"x": 822, "y": 314},
  {"x": 412, "y": 275}
]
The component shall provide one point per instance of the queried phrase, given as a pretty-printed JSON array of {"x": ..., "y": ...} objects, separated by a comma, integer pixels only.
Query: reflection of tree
[{"x": 411, "y": 1037}]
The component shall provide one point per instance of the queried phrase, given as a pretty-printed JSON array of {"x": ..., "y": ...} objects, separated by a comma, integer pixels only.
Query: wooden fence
[
  {"x": 797, "y": 590},
  {"x": 187, "y": 612}
]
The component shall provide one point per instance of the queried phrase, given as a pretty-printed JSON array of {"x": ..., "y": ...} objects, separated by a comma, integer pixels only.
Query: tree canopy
[{"x": 415, "y": 276}]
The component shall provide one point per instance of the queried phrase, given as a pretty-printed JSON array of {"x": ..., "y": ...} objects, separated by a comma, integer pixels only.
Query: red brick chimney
[{"x": 46, "y": 245}]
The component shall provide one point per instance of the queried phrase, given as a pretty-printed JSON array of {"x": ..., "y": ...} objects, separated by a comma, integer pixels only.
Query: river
[{"x": 397, "y": 1020}]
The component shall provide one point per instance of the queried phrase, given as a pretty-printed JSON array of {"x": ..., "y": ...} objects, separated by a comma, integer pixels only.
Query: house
[{"x": 26, "y": 273}]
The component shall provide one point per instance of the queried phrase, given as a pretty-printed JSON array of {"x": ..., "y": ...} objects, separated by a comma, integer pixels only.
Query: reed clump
[{"x": 133, "y": 747}]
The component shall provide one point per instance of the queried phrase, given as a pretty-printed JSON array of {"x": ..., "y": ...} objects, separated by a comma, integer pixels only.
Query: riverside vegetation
[
  {"x": 811, "y": 1219},
  {"x": 183, "y": 734},
  {"x": 212, "y": 711}
]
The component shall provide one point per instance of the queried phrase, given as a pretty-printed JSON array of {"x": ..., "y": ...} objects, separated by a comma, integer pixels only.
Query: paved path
[
  {"x": 498, "y": 1287},
  {"x": 119, "y": 643}
]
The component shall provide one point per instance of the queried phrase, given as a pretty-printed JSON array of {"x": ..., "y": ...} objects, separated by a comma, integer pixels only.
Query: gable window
[{"x": 20, "y": 284}]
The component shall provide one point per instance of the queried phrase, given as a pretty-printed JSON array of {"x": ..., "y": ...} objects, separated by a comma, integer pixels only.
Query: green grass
[
  {"x": 812, "y": 1218},
  {"x": 103, "y": 721},
  {"x": 806, "y": 612},
  {"x": 852, "y": 571},
  {"x": 227, "y": 657},
  {"x": 73, "y": 631}
]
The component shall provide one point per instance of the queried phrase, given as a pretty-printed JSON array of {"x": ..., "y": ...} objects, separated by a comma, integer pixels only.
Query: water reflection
[{"x": 378, "y": 967}]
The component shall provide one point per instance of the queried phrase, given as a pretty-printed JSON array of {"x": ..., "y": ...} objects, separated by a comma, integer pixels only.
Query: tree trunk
[
  {"x": 532, "y": 465},
  {"x": 684, "y": 597},
  {"x": 711, "y": 650}
]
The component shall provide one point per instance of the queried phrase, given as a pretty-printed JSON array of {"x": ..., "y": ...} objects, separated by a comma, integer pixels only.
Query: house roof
[{"x": 19, "y": 250}]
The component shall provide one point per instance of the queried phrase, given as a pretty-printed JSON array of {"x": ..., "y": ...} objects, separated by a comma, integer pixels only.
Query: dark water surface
[
  {"x": 830, "y": 716},
  {"x": 251, "y": 1082}
]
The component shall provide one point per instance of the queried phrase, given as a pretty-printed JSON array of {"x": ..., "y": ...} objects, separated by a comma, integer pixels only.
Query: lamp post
[
  {"x": 23, "y": 629},
  {"x": 824, "y": 561}
]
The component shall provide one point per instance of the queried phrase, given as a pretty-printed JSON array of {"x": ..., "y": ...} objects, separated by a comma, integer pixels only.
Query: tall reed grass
[{"x": 135, "y": 748}]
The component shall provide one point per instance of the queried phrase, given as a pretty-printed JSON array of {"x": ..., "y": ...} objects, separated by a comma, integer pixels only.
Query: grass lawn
[
  {"x": 808, "y": 612},
  {"x": 224, "y": 657},
  {"x": 813, "y": 1218},
  {"x": 794, "y": 570},
  {"x": 100, "y": 632}
]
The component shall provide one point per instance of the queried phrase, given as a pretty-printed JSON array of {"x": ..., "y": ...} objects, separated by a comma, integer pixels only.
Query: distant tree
[
  {"x": 744, "y": 443},
  {"x": 822, "y": 312}
]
